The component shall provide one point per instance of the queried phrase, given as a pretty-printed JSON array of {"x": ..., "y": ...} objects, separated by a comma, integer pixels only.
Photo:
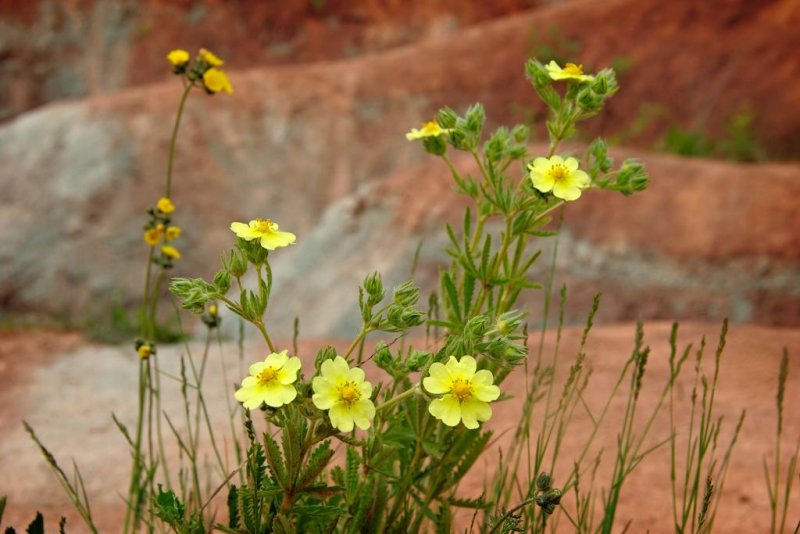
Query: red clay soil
[{"x": 85, "y": 374}]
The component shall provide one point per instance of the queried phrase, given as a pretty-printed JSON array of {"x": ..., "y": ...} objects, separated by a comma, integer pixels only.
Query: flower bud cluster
[
  {"x": 159, "y": 231},
  {"x": 206, "y": 69}
]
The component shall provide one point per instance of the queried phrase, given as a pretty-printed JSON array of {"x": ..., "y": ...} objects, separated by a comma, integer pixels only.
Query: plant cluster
[{"x": 378, "y": 438}]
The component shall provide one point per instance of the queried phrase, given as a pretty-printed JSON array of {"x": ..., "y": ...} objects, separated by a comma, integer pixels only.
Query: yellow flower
[
  {"x": 178, "y": 57},
  {"x": 466, "y": 393},
  {"x": 171, "y": 252},
  {"x": 266, "y": 231},
  {"x": 345, "y": 394},
  {"x": 270, "y": 382},
  {"x": 145, "y": 351},
  {"x": 213, "y": 310},
  {"x": 173, "y": 232},
  {"x": 215, "y": 81},
  {"x": 429, "y": 129},
  {"x": 152, "y": 236},
  {"x": 558, "y": 175},
  {"x": 210, "y": 58},
  {"x": 165, "y": 205},
  {"x": 570, "y": 72}
]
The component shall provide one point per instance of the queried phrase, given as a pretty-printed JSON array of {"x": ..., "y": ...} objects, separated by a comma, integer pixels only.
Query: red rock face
[
  {"x": 708, "y": 240},
  {"x": 694, "y": 65}
]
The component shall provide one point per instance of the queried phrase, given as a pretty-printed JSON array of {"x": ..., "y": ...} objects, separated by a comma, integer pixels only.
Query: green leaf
[
  {"x": 316, "y": 464},
  {"x": 169, "y": 508},
  {"x": 476, "y": 503},
  {"x": 275, "y": 461},
  {"x": 452, "y": 294},
  {"x": 233, "y": 507},
  {"x": 352, "y": 462}
]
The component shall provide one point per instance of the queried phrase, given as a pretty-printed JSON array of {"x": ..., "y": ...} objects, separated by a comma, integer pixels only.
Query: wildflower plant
[{"x": 378, "y": 439}]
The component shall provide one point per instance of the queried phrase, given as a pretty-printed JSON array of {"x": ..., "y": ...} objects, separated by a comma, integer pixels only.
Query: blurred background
[{"x": 313, "y": 137}]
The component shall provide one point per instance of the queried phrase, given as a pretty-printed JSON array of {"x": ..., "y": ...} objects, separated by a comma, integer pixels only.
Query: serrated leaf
[
  {"x": 476, "y": 503},
  {"x": 315, "y": 465},
  {"x": 233, "y": 507},
  {"x": 452, "y": 295},
  {"x": 352, "y": 461},
  {"x": 275, "y": 461}
]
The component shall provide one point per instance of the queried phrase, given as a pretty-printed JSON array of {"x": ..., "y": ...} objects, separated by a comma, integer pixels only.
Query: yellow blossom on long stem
[
  {"x": 145, "y": 351},
  {"x": 466, "y": 392},
  {"x": 266, "y": 231},
  {"x": 271, "y": 382},
  {"x": 345, "y": 394}
]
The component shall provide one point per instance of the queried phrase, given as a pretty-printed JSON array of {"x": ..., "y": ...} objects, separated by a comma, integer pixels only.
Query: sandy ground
[{"x": 67, "y": 389}]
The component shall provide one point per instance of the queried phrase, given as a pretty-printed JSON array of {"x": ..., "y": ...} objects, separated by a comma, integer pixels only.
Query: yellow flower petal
[
  {"x": 173, "y": 232},
  {"x": 152, "y": 236},
  {"x": 559, "y": 175},
  {"x": 165, "y": 205},
  {"x": 447, "y": 409},
  {"x": 473, "y": 411},
  {"x": 171, "y": 252},
  {"x": 270, "y": 382},
  {"x": 345, "y": 394},
  {"x": 178, "y": 57},
  {"x": 266, "y": 231},
  {"x": 429, "y": 129},
  {"x": 210, "y": 58},
  {"x": 216, "y": 80},
  {"x": 466, "y": 392}
]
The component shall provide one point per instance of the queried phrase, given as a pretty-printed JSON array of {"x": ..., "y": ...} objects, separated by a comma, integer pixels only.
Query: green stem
[
  {"x": 261, "y": 328},
  {"x": 144, "y": 327},
  {"x": 132, "y": 511},
  {"x": 398, "y": 398},
  {"x": 171, "y": 155}
]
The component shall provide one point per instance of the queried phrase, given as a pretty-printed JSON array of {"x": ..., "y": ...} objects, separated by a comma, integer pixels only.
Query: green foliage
[
  {"x": 738, "y": 143},
  {"x": 403, "y": 473}
]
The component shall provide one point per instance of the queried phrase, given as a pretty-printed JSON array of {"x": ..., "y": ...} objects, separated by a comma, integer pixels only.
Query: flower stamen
[
  {"x": 462, "y": 389},
  {"x": 349, "y": 393},
  {"x": 267, "y": 375},
  {"x": 559, "y": 172}
]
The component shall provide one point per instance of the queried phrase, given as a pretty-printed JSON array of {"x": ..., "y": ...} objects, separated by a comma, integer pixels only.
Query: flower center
[
  {"x": 461, "y": 388},
  {"x": 559, "y": 172},
  {"x": 572, "y": 68},
  {"x": 267, "y": 375},
  {"x": 430, "y": 127},
  {"x": 265, "y": 226},
  {"x": 349, "y": 393}
]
